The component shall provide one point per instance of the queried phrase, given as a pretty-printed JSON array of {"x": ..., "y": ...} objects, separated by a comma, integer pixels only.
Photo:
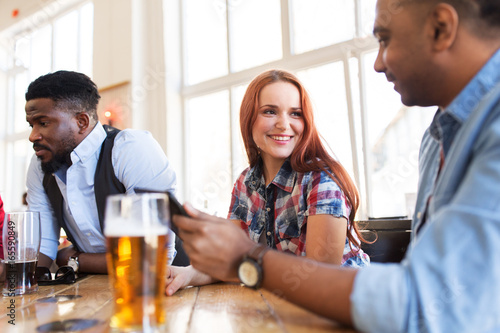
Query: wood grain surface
[{"x": 217, "y": 308}]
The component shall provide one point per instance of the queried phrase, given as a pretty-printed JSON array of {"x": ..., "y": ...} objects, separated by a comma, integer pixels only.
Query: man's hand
[
  {"x": 64, "y": 254},
  {"x": 215, "y": 245}
]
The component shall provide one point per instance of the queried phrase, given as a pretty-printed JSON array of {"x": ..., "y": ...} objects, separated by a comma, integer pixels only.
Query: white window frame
[
  {"x": 344, "y": 51},
  {"x": 11, "y": 192}
]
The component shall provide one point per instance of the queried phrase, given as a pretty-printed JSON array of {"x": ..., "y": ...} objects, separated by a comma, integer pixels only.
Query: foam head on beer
[
  {"x": 120, "y": 227},
  {"x": 137, "y": 215}
]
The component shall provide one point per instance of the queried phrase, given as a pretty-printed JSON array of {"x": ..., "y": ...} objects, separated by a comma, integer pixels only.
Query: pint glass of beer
[
  {"x": 21, "y": 247},
  {"x": 136, "y": 229}
]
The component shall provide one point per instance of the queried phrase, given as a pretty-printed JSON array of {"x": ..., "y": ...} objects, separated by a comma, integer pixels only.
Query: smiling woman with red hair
[
  {"x": 303, "y": 195},
  {"x": 294, "y": 196}
]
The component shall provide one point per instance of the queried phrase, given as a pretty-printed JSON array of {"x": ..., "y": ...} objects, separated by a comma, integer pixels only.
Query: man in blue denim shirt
[{"x": 436, "y": 52}]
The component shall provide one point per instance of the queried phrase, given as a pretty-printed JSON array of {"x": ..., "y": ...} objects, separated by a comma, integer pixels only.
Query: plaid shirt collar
[{"x": 285, "y": 179}]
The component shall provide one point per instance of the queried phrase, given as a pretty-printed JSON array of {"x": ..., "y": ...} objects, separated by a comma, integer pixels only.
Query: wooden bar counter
[{"x": 212, "y": 308}]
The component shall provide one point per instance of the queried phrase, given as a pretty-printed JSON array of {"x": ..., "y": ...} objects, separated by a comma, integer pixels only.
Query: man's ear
[
  {"x": 83, "y": 121},
  {"x": 445, "y": 22}
]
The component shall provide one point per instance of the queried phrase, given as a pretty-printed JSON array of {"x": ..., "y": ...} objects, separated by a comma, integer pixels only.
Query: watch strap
[
  {"x": 254, "y": 259},
  {"x": 257, "y": 253},
  {"x": 75, "y": 256}
]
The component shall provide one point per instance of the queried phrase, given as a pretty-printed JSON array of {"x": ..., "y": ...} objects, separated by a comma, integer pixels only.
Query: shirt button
[
  {"x": 253, "y": 183},
  {"x": 419, "y": 214},
  {"x": 89, "y": 234},
  {"x": 268, "y": 209},
  {"x": 268, "y": 233}
]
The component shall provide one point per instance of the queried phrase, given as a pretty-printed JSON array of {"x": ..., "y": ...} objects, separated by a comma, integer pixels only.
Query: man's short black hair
[
  {"x": 482, "y": 16},
  {"x": 489, "y": 10},
  {"x": 71, "y": 90}
]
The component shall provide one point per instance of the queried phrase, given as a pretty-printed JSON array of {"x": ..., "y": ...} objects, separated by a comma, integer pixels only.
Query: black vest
[{"x": 105, "y": 183}]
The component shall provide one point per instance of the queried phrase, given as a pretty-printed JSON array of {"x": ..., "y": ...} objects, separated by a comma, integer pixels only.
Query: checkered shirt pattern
[{"x": 284, "y": 207}]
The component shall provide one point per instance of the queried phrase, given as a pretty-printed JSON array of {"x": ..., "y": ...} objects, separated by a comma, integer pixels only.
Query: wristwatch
[
  {"x": 250, "y": 269},
  {"x": 73, "y": 262}
]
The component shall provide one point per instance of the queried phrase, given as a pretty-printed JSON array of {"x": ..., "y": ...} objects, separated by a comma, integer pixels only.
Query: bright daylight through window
[
  {"x": 329, "y": 45},
  {"x": 59, "y": 38},
  {"x": 221, "y": 45}
]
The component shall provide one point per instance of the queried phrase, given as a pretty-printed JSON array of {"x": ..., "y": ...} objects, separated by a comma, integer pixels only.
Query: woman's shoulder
[
  {"x": 245, "y": 173},
  {"x": 318, "y": 178},
  {"x": 244, "y": 177}
]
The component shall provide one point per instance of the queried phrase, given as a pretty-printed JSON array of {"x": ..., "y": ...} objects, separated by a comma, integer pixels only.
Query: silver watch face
[
  {"x": 248, "y": 273},
  {"x": 73, "y": 264}
]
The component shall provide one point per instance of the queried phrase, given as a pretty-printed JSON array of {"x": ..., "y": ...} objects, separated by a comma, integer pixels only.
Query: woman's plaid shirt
[{"x": 281, "y": 210}]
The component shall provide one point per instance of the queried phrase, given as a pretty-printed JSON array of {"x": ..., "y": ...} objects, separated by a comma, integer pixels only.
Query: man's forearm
[
  {"x": 93, "y": 263},
  {"x": 88, "y": 262},
  {"x": 321, "y": 288},
  {"x": 44, "y": 261}
]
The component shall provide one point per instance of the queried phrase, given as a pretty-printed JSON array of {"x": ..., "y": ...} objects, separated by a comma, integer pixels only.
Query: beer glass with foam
[
  {"x": 21, "y": 247},
  {"x": 136, "y": 229}
]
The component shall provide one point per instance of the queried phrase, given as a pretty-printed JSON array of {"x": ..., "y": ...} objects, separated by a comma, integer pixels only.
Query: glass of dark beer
[
  {"x": 21, "y": 245},
  {"x": 136, "y": 229}
]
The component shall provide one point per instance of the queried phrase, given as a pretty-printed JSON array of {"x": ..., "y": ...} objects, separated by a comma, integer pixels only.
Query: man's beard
[
  {"x": 55, "y": 164},
  {"x": 61, "y": 158}
]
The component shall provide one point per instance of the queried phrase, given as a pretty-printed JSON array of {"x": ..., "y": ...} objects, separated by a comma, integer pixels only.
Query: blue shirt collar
[
  {"x": 463, "y": 105},
  {"x": 88, "y": 147},
  {"x": 448, "y": 121},
  {"x": 85, "y": 149}
]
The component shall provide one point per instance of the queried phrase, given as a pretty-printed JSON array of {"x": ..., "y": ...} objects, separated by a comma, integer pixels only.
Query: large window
[
  {"x": 50, "y": 40},
  {"x": 329, "y": 45},
  {"x": 218, "y": 47}
]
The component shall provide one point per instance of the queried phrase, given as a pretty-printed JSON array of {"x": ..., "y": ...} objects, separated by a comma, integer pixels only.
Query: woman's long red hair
[{"x": 309, "y": 154}]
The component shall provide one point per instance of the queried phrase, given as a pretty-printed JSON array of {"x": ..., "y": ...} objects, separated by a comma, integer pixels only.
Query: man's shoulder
[
  {"x": 488, "y": 126},
  {"x": 130, "y": 136},
  {"x": 136, "y": 146},
  {"x": 487, "y": 114}
]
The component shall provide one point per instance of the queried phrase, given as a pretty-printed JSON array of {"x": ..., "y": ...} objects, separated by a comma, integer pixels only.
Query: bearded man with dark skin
[{"x": 77, "y": 163}]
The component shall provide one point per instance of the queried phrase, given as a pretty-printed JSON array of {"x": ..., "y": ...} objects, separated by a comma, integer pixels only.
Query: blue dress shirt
[
  {"x": 449, "y": 279},
  {"x": 138, "y": 161}
]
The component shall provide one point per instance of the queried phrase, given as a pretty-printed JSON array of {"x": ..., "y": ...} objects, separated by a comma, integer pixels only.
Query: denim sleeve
[
  {"x": 448, "y": 281},
  {"x": 379, "y": 300}
]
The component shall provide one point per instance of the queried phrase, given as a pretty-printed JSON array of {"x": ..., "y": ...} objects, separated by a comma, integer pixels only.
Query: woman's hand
[
  {"x": 182, "y": 277},
  {"x": 214, "y": 245}
]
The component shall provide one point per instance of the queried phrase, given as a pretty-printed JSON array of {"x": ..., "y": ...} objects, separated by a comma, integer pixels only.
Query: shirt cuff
[
  {"x": 49, "y": 248},
  {"x": 171, "y": 252},
  {"x": 379, "y": 300}
]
